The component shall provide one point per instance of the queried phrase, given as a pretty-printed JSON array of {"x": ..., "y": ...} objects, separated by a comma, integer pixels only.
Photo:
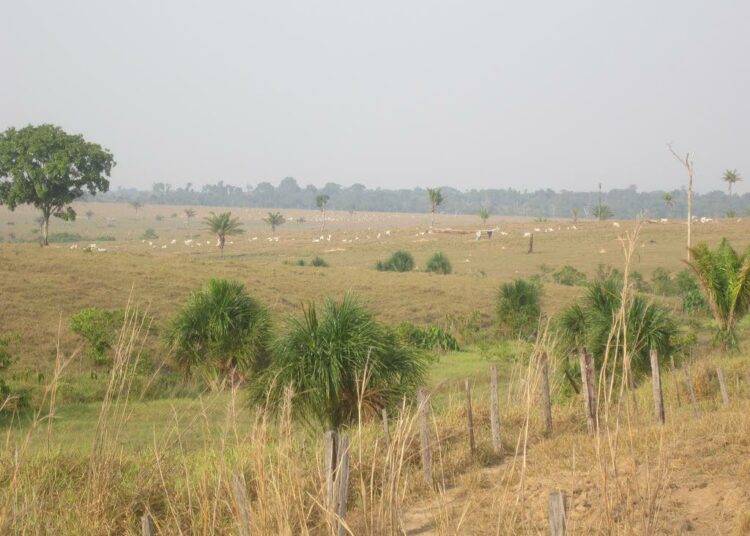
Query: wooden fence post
[
  {"x": 588, "y": 386},
  {"x": 386, "y": 429},
  {"x": 722, "y": 386},
  {"x": 656, "y": 385},
  {"x": 424, "y": 434},
  {"x": 469, "y": 417},
  {"x": 531, "y": 243},
  {"x": 546, "y": 403},
  {"x": 342, "y": 480},
  {"x": 676, "y": 382},
  {"x": 240, "y": 498},
  {"x": 330, "y": 465},
  {"x": 147, "y": 525},
  {"x": 691, "y": 391},
  {"x": 494, "y": 410},
  {"x": 557, "y": 514}
]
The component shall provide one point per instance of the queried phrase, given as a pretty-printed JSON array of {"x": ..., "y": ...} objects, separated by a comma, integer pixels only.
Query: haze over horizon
[{"x": 389, "y": 94}]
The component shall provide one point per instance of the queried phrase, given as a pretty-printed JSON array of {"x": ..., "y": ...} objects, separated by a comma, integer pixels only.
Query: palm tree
[
  {"x": 731, "y": 176},
  {"x": 668, "y": 201},
  {"x": 595, "y": 323},
  {"x": 575, "y": 212},
  {"x": 137, "y": 205},
  {"x": 223, "y": 225},
  {"x": 724, "y": 277},
  {"x": 189, "y": 213},
  {"x": 338, "y": 362},
  {"x": 484, "y": 214},
  {"x": 321, "y": 201},
  {"x": 436, "y": 199},
  {"x": 221, "y": 329},
  {"x": 274, "y": 219}
]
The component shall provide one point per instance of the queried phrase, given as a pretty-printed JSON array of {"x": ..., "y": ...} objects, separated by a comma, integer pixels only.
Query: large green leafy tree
[
  {"x": 724, "y": 277},
  {"x": 48, "y": 168},
  {"x": 338, "y": 362},
  {"x": 593, "y": 323},
  {"x": 221, "y": 329},
  {"x": 223, "y": 225}
]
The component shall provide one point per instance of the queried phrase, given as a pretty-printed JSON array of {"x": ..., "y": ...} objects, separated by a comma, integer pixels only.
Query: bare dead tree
[{"x": 688, "y": 163}]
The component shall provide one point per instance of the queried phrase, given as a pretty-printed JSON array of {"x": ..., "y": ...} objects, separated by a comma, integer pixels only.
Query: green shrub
[
  {"x": 569, "y": 276},
  {"x": 300, "y": 262},
  {"x": 319, "y": 262},
  {"x": 105, "y": 238},
  {"x": 149, "y": 234},
  {"x": 430, "y": 338},
  {"x": 439, "y": 264},
  {"x": 400, "y": 261},
  {"x": 221, "y": 329},
  {"x": 663, "y": 283},
  {"x": 519, "y": 307},
  {"x": 693, "y": 300},
  {"x": 99, "y": 328},
  {"x": 59, "y": 238}
]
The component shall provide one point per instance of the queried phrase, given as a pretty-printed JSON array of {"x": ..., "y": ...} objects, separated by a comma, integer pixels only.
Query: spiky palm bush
[
  {"x": 724, "y": 277},
  {"x": 519, "y": 307},
  {"x": 274, "y": 219},
  {"x": 336, "y": 358},
  {"x": 400, "y": 261},
  {"x": 439, "y": 264},
  {"x": 593, "y": 323},
  {"x": 223, "y": 225},
  {"x": 221, "y": 329}
]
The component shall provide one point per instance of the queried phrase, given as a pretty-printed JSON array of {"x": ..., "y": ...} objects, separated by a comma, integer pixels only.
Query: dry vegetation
[{"x": 206, "y": 464}]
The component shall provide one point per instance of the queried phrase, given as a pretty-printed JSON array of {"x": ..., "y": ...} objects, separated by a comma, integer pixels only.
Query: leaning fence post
[
  {"x": 494, "y": 410},
  {"x": 588, "y": 388},
  {"x": 469, "y": 417},
  {"x": 147, "y": 525},
  {"x": 342, "y": 479},
  {"x": 241, "y": 498},
  {"x": 691, "y": 391},
  {"x": 722, "y": 386},
  {"x": 424, "y": 434},
  {"x": 656, "y": 384},
  {"x": 557, "y": 513},
  {"x": 330, "y": 464},
  {"x": 546, "y": 403}
]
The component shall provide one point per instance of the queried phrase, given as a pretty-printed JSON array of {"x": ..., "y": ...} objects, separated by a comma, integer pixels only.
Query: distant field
[{"x": 39, "y": 287}]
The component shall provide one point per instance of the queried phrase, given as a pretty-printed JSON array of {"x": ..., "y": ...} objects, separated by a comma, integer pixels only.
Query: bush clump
[
  {"x": 149, "y": 234},
  {"x": 61, "y": 238},
  {"x": 439, "y": 264},
  {"x": 519, "y": 307},
  {"x": 429, "y": 338},
  {"x": 569, "y": 276},
  {"x": 400, "y": 261},
  {"x": 319, "y": 262},
  {"x": 99, "y": 328}
]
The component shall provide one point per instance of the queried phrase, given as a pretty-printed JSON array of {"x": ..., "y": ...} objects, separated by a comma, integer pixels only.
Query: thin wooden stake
[
  {"x": 240, "y": 498},
  {"x": 469, "y": 417},
  {"x": 342, "y": 479},
  {"x": 722, "y": 386},
  {"x": 546, "y": 403},
  {"x": 691, "y": 391},
  {"x": 386, "y": 429},
  {"x": 424, "y": 434},
  {"x": 558, "y": 517},
  {"x": 656, "y": 384},
  {"x": 588, "y": 386},
  {"x": 330, "y": 464},
  {"x": 531, "y": 243},
  {"x": 147, "y": 525},
  {"x": 494, "y": 411}
]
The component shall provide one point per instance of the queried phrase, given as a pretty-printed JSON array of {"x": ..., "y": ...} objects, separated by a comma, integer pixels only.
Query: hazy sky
[{"x": 389, "y": 93}]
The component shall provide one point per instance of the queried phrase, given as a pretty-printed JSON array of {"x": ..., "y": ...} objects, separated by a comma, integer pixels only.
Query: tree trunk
[
  {"x": 689, "y": 209},
  {"x": 221, "y": 245},
  {"x": 45, "y": 228}
]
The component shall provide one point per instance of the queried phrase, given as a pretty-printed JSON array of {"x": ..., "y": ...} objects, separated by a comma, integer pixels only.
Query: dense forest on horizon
[{"x": 622, "y": 203}]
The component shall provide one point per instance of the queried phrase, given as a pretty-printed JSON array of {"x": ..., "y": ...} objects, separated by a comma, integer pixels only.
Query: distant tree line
[{"x": 548, "y": 203}]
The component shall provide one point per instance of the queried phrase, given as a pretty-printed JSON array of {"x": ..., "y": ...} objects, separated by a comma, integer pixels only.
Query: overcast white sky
[{"x": 389, "y": 93}]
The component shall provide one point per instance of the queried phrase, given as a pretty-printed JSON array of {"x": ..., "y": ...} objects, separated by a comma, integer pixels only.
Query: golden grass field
[{"x": 92, "y": 468}]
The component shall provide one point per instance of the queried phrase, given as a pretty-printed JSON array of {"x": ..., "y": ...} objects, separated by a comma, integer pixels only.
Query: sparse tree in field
[
  {"x": 435, "y": 196},
  {"x": 137, "y": 205},
  {"x": 189, "y": 214},
  {"x": 724, "y": 278},
  {"x": 338, "y": 363},
  {"x": 575, "y": 212},
  {"x": 221, "y": 329},
  {"x": 731, "y": 176},
  {"x": 300, "y": 220},
  {"x": 688, "y": 163},
  {"x": 668, "y": 199},
  {"x": 223, "y": 225},
  {"x": 48, "y": 168},
  {"x": 321, "y": 201},
  {"x": 484, "y": 214},
  {"x": 89, "y": 214},
  {"x": 274, "y": 219}
]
